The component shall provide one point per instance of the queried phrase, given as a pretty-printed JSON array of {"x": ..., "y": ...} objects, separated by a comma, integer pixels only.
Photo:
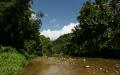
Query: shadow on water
[{"x": 70, "y": 66}]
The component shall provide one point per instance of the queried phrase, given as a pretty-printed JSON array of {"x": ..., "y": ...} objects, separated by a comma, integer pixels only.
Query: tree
[
  {"x": 46, "y": 45},
  {"x": 98, "y": 30},
  {"x": 60, "y": 44},
  {"x": 16, "y": 25}
]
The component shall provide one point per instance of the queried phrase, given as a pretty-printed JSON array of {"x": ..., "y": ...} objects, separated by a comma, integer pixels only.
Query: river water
[{"x": 72, "y": 66}]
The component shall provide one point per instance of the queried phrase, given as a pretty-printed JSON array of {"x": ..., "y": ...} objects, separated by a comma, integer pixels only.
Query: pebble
[
  {"x": 93, "y": 72},
  {"x": 117, "y": 66},
  {"x": 87, "y": 66},
  {"x": 106, "y": 71},
  {"x": 101, "y": 68},
  {"x": 84, "y": 59}
]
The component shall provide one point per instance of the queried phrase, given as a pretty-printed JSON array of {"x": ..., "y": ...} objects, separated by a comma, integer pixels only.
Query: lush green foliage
[
  {"x": 96, "y": 35},
  {"x": 56, "y": 47},
  {"x": 99, "y": 29},
  {"x": 16, "y": 23},
  {"x": 59, "y": 45},
  {"x": 18, "y": 29},
  {"x": 11, "y": 62},
  {"x": 46, "y": 46}
]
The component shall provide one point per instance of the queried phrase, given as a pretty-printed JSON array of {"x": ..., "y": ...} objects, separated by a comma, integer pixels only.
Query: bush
[
  {"x": 7, "y": 49},
  {"x": 31, "y": 48},
  {"x": 11, "y": 62}
]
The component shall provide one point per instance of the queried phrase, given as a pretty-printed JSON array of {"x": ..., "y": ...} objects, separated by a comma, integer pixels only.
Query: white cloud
[
  {"x": 53, "y": 20},
  {"x": 54, "y": 34}
]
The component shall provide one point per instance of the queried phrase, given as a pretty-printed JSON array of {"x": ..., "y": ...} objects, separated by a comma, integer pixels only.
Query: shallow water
[{"x": 72, "y": 66}]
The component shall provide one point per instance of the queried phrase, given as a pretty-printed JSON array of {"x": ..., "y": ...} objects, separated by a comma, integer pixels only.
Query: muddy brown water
[{"x": 72, "y": 66}]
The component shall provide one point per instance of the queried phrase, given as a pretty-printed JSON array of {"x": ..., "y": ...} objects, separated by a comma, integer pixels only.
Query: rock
[
  {"x": 106, "y": 71},
  {"x": 87, "y": 66},
  {"x": 101, "y": 68},
  {"x": 93, "y": 72},
  {"x": 117, "y": 65},
  {"x": 117, "y": 72},
  {"x": 84, "y": 59}
]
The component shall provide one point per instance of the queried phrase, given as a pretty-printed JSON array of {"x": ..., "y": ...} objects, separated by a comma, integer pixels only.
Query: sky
[{"x": 59, "y": 16}]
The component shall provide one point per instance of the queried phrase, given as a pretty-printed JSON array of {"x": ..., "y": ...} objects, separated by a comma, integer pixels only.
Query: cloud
[
  {"x": 53, "y": 20},
  {"x": 54, "y": 34}
]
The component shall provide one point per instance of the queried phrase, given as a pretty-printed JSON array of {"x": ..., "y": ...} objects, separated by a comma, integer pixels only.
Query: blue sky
[{"x": 58, "y": 13}]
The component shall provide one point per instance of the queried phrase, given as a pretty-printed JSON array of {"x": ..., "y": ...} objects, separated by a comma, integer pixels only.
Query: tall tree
[
  {"x": 15, "y": 23},
  {"x": 99, "y": 26}
]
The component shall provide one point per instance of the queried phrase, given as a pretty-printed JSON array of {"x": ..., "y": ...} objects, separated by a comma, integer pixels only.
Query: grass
[{"x": 11, "y": 62}]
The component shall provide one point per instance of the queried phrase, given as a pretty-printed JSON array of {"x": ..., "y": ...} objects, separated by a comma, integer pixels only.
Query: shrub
[
  {"x": 31, "y": 48},
  {"x": 11, "y": 62},
  {"x": 7, "y": 49}
]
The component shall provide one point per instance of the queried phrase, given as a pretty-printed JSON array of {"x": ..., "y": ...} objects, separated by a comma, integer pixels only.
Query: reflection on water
[{"x": 69, "y": 66}]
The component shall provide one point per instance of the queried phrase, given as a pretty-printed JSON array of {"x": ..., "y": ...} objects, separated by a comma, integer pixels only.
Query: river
[{"x": 72, "y": 66}]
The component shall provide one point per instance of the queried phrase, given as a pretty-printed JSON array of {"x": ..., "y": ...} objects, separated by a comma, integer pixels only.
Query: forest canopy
[
  {"x": 16, "y": 27},
  {"x": 99, "y": 29}
]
